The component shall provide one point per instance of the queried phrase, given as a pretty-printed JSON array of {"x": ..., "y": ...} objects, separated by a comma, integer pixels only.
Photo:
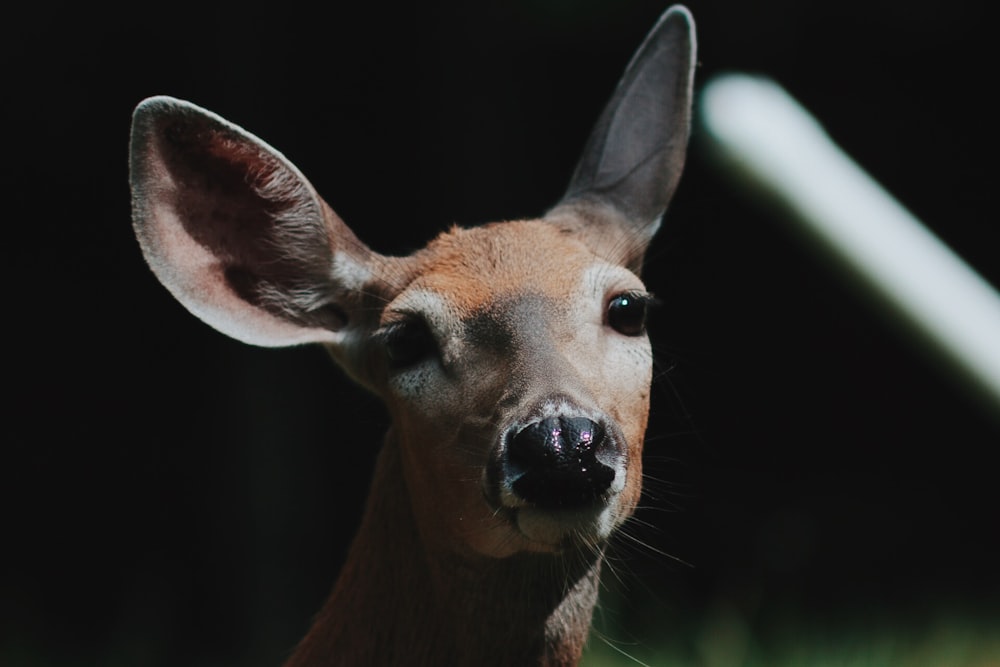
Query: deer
[{"x": 512, "y": 358}]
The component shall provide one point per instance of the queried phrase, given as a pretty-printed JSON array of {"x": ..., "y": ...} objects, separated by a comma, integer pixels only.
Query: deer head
[{"x": 512, "y": 357}]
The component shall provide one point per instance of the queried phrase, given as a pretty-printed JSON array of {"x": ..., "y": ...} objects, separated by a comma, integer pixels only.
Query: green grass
[{"x": 725, "y": 639}]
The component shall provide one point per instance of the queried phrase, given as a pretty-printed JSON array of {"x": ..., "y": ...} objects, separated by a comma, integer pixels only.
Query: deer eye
[
  {"x": 407, "y": 343},
  {"x": 627, "y": 313}
]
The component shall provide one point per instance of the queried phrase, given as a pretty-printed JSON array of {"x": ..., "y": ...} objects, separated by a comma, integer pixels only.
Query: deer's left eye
[{"x": 627, "y": 313}]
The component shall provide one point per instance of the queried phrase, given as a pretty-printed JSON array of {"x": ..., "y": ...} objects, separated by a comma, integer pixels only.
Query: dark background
[{"x": 169, "y": 496}]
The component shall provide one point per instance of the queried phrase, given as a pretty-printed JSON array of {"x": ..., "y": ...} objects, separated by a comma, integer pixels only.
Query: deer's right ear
[{"x": 237, "y": 234}]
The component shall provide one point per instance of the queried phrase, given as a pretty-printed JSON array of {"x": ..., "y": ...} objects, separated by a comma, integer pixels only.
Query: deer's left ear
[{"x": 633, "y": 159}]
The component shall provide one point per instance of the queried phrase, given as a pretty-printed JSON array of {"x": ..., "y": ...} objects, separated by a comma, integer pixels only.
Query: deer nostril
[{"x": 554, "y": 463}]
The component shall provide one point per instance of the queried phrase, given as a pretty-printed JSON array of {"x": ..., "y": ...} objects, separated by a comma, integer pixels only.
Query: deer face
[{"x": 516, "y": 368}]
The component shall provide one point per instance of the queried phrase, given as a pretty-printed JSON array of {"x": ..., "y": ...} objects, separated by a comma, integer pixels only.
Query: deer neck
[{"x": 400, "y": 601}]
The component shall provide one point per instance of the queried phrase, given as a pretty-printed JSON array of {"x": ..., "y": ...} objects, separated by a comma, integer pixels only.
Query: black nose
[{"x": 554, "y": 462}]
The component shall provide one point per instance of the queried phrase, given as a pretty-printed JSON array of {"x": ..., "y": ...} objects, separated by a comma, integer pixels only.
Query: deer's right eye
[{"x": 407, "y": 343}]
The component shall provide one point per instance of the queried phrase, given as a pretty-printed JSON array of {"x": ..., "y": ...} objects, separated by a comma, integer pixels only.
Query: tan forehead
[{"x": 478, "y": 265}]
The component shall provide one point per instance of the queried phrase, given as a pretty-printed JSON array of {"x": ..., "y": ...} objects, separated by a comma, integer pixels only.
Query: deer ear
[
  {"x": 236, "y": 233},
  {"x": 633, "y": 159}
]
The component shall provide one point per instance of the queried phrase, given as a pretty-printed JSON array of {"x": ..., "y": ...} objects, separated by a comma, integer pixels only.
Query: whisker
[{"x": 649, "y": 547}]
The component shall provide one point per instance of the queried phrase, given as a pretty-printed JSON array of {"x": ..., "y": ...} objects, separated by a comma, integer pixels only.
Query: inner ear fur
[{"x": 236, "y": 232}]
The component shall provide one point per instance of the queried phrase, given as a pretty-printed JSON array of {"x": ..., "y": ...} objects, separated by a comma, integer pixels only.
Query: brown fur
[
  {"x": 456, "y": 583},
  {"x": 439, "y": 608}
]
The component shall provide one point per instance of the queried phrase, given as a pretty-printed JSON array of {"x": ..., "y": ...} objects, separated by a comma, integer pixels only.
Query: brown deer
[{"x": 512, "y": 357}]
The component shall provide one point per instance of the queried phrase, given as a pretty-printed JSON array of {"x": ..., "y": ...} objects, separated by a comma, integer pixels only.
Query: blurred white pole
[{"x": 767, "y": 140}]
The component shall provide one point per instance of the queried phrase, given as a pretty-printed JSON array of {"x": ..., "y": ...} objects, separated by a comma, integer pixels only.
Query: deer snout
[
  {"x": 559, "y": 477},
  {"x": 560, "y": 462}
]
